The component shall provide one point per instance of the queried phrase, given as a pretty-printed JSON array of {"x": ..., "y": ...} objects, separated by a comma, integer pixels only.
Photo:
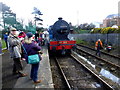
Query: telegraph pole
[
  {"x": 118, "y": 14},
  {"x": 78, "y": 18},
  {"x": 35, "y": 21},
  {"x": 3, "y": 20}
]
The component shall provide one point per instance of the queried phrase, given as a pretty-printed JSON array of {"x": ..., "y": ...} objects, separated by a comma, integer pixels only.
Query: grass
[
  {"x": 79, "y": 41},
  {"x": 84, "y": 31},
  {"x": 3, "y": 44}
]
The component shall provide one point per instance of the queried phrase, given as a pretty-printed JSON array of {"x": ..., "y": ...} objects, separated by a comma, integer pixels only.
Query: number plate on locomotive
[{"x": 64, "y": 42}]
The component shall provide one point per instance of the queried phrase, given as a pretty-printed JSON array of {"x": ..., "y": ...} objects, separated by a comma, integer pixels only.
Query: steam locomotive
[{"x": 58, "y": 37}]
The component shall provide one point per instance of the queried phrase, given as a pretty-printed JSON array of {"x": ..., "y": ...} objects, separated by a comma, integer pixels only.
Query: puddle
[{"x": 103, "y": 72}]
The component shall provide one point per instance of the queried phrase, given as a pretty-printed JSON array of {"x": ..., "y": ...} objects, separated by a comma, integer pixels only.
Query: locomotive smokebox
[{"x": 61, "y": 29}]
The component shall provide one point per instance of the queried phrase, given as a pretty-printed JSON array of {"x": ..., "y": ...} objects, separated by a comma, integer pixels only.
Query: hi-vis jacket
[{"x": 96, "y": 44}]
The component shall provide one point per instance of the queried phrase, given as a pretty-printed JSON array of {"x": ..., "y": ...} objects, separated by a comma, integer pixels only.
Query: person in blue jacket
[
  {"x": 0, "y": 46},
  {"x": 5, "y": 38},
  {"x": 31, "y": 48}
]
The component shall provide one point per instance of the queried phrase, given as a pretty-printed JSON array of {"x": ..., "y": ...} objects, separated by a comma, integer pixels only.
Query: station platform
[{"x": 44, "y": 74}]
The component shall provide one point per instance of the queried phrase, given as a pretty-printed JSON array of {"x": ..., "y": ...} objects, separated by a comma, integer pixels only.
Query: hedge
[{"x": 106, "y": 30}]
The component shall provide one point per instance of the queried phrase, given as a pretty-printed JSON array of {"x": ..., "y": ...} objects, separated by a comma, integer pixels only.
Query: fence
[{"x": 113, "y": 39}]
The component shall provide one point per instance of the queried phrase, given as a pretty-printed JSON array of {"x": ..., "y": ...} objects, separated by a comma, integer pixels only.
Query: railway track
[
  {"x": 101, "y": 51},
  {"x": 77, "y": 75},
  {"x": 112, "y": 58},
  {"x": 101, "y": 63},
  {"x": 108, "y": 60}
]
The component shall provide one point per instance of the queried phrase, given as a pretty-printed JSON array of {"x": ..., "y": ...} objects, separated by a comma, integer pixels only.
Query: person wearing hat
[
  {"x": 15, "y": 51},
  {"x": 98, "y": 46},
  {"x": 31, "y": 48}
]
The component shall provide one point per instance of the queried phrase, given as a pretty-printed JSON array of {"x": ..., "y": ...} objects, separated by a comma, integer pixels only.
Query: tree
[
  {"x": 37, "y": 13},
  {"x": 31, "y": 27},
  {"x": 9, "y": 18},
  {"x": 87, "y": 26},
  {"x": 91, "y": 26},
  {"x": 4, "y": 7},
  {"x": 20, "y": 24}
]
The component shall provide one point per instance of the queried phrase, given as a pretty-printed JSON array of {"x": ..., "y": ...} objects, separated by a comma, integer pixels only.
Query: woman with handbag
[{"x": 32, "y": 50}]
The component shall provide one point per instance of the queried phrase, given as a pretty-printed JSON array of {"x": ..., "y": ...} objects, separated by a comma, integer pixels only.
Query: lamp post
[
  {"x": 35, "y": 20},
  {"x": 107, "y": 38}
]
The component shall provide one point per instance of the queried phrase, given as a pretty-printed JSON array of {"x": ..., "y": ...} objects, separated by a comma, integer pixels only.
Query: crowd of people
[
  {"x": 38, "y": 38},
  {"x": 20, "y": 42}
]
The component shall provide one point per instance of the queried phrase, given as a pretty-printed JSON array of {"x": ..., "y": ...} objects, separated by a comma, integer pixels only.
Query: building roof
[{"x": 113, "y": 15}]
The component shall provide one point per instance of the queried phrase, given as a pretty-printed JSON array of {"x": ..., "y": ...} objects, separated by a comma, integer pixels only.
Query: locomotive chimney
[{"x": 60, "y": 18}]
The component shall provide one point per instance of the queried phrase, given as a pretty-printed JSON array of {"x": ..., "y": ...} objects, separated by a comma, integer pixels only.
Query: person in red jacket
[{"x": 21, "y": 36}]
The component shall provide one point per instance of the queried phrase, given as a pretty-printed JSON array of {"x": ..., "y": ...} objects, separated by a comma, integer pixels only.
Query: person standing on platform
[
  {"x": 0, "y": 46},
  {"x": 36, "y": 36},
  {"x": 15, "y": 52},
  {"x": 5, "y": 38},
  {"x": 22, "y": 36},
  {"x": 98, "y": 46},
  {"x": 31, "y": 48}
]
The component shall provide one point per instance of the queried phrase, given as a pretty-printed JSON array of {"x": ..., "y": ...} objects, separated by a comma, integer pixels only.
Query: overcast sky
[{"x": 74, "y": 11}]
